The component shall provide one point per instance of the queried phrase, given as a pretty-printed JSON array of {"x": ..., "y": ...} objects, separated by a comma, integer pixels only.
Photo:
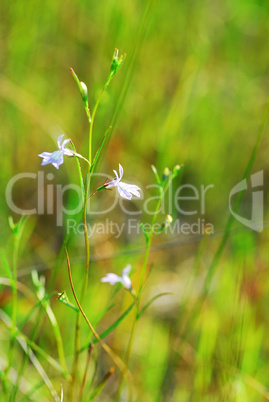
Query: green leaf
[
  {"x": 62, "y": 297},
  {"x": 150, "y": 302}
]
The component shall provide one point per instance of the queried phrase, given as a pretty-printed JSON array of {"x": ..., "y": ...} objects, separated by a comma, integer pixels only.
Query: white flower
[
  {"x": 124, "y": 279},
  {"x": 125, "y": 190},
  {"x": 56, "y": 158}
]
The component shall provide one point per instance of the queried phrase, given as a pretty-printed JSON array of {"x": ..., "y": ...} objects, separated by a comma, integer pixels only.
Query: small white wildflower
[
  {"x": 124, "y": 279},
  {"x": 125, "y": 190},
  {"x": 56, "y": 158}
]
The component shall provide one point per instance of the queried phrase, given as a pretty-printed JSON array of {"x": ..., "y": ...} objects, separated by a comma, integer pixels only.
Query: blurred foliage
[{"x": 192, "y": 91}]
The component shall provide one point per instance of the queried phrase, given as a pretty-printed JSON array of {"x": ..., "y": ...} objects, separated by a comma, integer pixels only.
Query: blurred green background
[{"x": 192, "y": 91}]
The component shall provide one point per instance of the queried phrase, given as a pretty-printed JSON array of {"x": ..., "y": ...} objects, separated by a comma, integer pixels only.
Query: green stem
[
  {"x": 83, "y": 291},
  {"x": 58, "y": 338},
  {"x": 14, "y": 310},
  {"x": 148, "y": 246},
  {"x": 141, "y": 284},
  {"x": 86, "y": 240},
  {"x": 24, "y": 340},
  {"x": 15, "y": 295},
  {"x": 119, "y": 363},
  {"x": 24, "y": 361},
  {"x": 92, "y": 122},
  {"x": 89, "y": 355},
  {"x": 85, "y": 192}
]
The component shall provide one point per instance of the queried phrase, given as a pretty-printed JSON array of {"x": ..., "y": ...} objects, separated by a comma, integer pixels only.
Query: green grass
[{"x": 192, "y": 91}]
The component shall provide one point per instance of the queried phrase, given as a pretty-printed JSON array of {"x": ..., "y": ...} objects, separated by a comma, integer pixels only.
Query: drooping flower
[
  {"x": 125, "y": 190},
  {"x": 124, "y": 279},
  {"x": 56, "y": 158}
]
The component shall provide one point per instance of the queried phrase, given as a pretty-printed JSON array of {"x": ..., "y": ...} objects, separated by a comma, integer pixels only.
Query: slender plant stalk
[
  {"x": 91, "y": 122},
  {"x": 58, "y": 338},
  {"x": 85, "y": 281},
  {"x": 214, "y": 264},
  {"x": 23, "y": 364},
  {"x": 119, "y": 363},
  {"x": 34, "y": 333},
  {"x": 141, "y": 282},
  {"x": 89, "y": 355},
  {"x": 163, "y": 187},
  {"x": 102, "y": 383},
  {"x": 86, "y": 192},
  {"x": 21, "y": 338},
  {"x": 83, "y": 293},
  {"x": 14, "y": 311},
  {"x": 85, "y": 195}
]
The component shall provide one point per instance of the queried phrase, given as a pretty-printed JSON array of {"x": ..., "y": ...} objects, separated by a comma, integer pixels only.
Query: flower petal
[
  {"x": 123, "y": 192},
  {"x": 59, "y": 140},
  {"x": 111, "y": 278},
  {"x": 45, "y": 154},
  {"x": 126, "y": 270},
  {"x": 65, "y": 142},
  {"x": 120, "y": 171},
  {"x": 129, "y": 189},
  {"x": 45, "y": 162},
  {"x": 56, "y": 158},
  {"x": 126, "y": 281},
  {"x": 133, "y": 189},
  {"x": 66, "y": 151}
]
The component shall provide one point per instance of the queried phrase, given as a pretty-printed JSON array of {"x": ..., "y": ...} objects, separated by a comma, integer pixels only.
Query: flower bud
[
  {"x": 166, "y": 173},
  {"x": 168, "y": 220},
  {"x": 165, "y": 224},
  {"x": 84, "y": 91},
  {"x": 117, "y": 62},
  {"x": 82, "y": 87},
  {"x": 176, "y": 170}
]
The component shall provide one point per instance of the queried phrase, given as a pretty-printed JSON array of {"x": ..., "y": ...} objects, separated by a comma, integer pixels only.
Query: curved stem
[
  {"x": 119, "y": 363},
  {"x": 85, "y": 193},
  {"x": 86, "y": 272},
  {"x": 83, "y": 294},
  {"x": 141, "y": 283}
]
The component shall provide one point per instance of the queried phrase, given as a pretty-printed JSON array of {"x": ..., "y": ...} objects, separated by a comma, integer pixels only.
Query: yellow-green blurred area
[{"x": 192, "y": 91}]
